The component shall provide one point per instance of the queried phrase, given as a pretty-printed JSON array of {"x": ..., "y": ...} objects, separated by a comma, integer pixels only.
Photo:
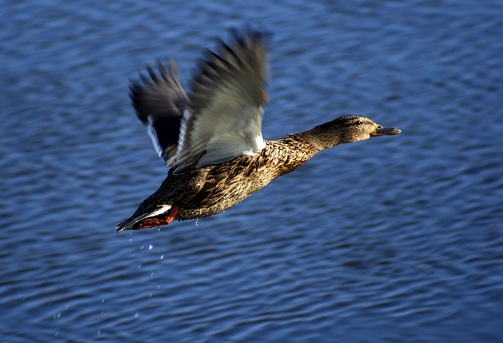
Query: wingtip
[{"x": 251, "y": 33}]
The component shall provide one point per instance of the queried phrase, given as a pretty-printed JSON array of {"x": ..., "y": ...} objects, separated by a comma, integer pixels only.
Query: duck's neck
[{"x": 323, "y": 136}]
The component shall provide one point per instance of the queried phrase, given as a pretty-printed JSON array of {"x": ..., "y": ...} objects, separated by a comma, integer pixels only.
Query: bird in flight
[{"x": 211, "y": 139}]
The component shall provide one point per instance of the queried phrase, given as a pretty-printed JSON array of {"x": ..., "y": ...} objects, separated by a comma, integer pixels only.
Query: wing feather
[
  {"x": 159, "y": 101},
  {"x": 225, "y": 115}
]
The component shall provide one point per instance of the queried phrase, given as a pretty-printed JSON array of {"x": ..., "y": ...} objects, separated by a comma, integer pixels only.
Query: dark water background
[{"x": 398, "y": 239}]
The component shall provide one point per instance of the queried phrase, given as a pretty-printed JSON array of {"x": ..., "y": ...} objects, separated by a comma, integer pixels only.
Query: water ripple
[{"x": 393, "y": 240}]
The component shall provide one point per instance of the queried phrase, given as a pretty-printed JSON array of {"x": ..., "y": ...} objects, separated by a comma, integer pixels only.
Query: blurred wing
[
  {"x": 159, "y": 102},
  {"x": 225, "y": 116}
]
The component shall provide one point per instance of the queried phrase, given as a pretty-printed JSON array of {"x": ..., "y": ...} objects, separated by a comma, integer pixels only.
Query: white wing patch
[
  {"x": 153, "y": 136},
  {"x": 227, "y": 148},
  {"x": 222, "y": 135},
  {"x": 235, "y": 135},
  {"x": 225, "y": 116}
]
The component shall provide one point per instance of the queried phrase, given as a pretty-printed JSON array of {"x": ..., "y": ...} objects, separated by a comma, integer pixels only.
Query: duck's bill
[{"x": 386, "y": 131}]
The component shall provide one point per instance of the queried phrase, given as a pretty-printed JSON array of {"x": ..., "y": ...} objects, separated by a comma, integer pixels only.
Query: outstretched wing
[
  {"x": 159, "y": 102},
  {"x": 225, "y": 115}
]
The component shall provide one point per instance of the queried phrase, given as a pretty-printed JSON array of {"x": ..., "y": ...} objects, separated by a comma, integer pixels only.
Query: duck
[{"x": 211, "y": 139}]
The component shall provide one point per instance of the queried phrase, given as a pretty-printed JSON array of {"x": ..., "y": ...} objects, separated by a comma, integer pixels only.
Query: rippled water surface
[{"x": 397, "y": 239}]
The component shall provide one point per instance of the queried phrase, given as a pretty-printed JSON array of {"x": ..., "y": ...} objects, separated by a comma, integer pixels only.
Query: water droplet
[
  {"x": 197, "y": 221},
  {"x": 162, "y": 257},
  {"x": 142, "y": 247},
  {"x": 150, "y": 247},
  {"x": 152, "y": 274},
  {"x": 139, "y": 266},
  {"x": 98, "y": 333},
  {"x": 136, "y": 314}
]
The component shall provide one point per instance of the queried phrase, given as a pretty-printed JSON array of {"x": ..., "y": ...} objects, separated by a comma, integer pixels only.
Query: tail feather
[{"x": 146, "y": 220}]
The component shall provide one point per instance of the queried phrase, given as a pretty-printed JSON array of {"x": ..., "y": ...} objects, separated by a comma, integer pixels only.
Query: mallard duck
[{"x": 212, "y": 138}]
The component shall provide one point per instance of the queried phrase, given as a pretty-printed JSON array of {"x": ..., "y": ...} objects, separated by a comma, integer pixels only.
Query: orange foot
[{"x": 172, "y": 214}]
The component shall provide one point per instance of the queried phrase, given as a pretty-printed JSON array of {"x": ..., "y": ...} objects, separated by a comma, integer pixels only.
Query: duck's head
[
  {"x": 349, "y": 129},
  {"x": 360, "y": 127}
]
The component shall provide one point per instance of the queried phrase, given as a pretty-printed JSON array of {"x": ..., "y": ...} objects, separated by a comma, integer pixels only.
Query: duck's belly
[
  {"x": 214, "y": 189},
  {"x": 214, "y": 202}
]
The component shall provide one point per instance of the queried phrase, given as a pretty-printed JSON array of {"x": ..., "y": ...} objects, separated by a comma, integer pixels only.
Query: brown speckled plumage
[
  {"x": 191, "y": 191},
  {"x": 212, "y": 189}
]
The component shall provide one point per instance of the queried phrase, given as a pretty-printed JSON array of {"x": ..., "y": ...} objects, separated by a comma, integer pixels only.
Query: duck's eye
[{"x": 379, "y": 127}]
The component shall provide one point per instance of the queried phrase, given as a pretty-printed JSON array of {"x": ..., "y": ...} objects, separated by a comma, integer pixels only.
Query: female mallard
[{"x": 212, "y": 138}]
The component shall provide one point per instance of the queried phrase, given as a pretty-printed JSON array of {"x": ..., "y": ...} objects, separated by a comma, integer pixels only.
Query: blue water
[{"x": 396, "y": 239}]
